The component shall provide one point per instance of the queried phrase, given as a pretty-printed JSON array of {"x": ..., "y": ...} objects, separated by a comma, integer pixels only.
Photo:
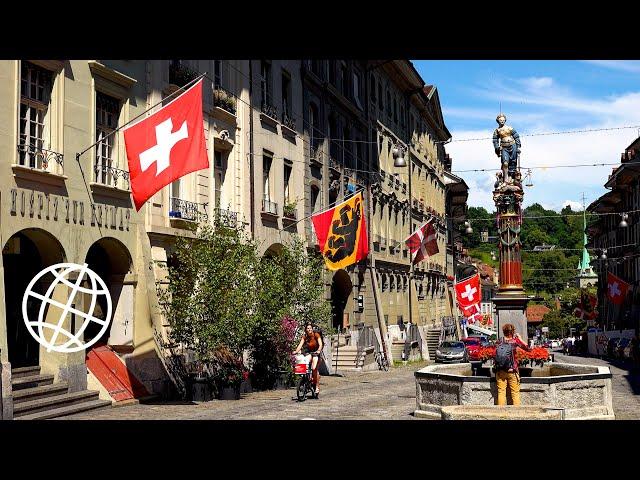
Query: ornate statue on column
[{"x": 508, "y": 194}]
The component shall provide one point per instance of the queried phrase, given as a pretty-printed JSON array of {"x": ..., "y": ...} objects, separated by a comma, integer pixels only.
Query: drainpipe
[{"x": 251, "y": 154}]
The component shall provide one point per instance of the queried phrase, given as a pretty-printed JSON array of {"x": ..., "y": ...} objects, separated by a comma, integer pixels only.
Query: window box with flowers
[
  {"x": 224, "y": 100},
  {"x": 289, "y": 211}
]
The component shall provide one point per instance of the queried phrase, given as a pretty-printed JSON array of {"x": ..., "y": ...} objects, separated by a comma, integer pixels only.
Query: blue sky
[{"x": 538, "y": 97}]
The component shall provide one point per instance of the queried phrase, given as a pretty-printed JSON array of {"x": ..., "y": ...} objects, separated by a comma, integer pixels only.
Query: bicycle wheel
[{"x": 301, "y": 390}]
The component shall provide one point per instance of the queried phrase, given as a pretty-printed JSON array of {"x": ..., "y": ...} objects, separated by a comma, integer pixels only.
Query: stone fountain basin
[{"x": 580, "y": 392}]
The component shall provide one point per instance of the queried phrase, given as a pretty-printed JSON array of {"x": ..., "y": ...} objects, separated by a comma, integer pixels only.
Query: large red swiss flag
[
  {"x": 468, "y": 292},
  {"x": 166, "y": 145}
]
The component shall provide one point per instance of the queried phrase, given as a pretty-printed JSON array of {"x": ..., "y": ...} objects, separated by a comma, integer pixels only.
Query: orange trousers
[{"x": 511, "y": 380}]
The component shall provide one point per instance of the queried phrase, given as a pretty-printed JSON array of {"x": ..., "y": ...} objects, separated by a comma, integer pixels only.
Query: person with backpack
[{"x": 506, "y": 365}]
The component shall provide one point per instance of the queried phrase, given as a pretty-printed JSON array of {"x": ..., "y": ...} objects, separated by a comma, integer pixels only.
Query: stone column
[{"x": 511, "y": 300}]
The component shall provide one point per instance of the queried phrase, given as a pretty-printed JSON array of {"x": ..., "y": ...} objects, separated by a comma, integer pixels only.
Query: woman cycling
[{"x": 311, "y": 343}]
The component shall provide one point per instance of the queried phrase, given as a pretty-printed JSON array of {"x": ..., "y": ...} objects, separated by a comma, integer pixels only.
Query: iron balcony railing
[
  {"x": 269, "y": 207},
  {"x": 226, "y": 217},
  {"x": 269, "y": 109},
  {"x": 185, "y": 210},
  {"x": 111, "y": 176},
  {"x": 38, "y": 158},
  {"x": 180, "y": 74},
  {"x": 288, "y": 120}
]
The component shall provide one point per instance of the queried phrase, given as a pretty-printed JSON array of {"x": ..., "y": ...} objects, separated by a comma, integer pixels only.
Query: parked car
[
  {"x": 555, "y": 343},
  {"x": 473, "y": 345},
  {"x": 621, "y": 347},
  {"x": 451, "y": 352}
]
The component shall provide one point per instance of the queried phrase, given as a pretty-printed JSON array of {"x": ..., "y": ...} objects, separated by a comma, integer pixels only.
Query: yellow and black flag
[{"x": 342, "y": 233}]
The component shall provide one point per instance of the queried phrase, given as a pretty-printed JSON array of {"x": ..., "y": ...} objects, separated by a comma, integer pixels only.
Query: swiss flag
[
  {"x": 468, "y": 292},
  {"x": 423, "y": 242},
  {"x": 616, "y": 289},
  {"x": 166, "y": 145},
  {"x": 472, "y": 312}
]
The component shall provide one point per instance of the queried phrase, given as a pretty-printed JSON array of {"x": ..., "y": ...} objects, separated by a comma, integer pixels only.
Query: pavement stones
[{"x": 373, "y": 395}]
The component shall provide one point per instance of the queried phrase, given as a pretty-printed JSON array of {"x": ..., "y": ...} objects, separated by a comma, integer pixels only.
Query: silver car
[{"x": 451, "y": 352}]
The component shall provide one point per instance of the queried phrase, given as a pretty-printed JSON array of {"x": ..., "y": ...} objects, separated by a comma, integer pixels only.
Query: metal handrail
[{"x": 186, "y": 210}]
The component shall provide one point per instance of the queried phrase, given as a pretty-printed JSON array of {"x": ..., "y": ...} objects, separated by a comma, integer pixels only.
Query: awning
[{"x": 486, "y": 331}]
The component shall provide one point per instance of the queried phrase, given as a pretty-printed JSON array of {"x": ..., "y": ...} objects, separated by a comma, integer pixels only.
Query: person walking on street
[{"x": 506, "y": 365}]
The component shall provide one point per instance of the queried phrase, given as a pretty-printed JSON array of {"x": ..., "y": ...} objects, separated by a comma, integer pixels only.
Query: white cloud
[
  {"x": 537, "y": 83},
  {"x": 624, "y": 65},
  {"x": 575, "y": 206}
]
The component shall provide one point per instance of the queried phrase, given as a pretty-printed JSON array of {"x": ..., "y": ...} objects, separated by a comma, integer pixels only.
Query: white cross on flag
[
  {"x": 423, "y": 242},
  {"x": 616, "y": 289},
  {"x": 468, "y": 292},
  {"x": 166, "y": 145}
]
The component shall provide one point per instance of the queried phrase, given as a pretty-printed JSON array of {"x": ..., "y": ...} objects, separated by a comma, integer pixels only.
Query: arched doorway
[
  {"x": 341, "y": 288},
  {"x": 24, "y": 255},
  {"x": 111, "y": 260}
]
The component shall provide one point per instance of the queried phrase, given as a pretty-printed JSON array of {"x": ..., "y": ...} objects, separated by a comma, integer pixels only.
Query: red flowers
[{"x": 537, "y": 355}]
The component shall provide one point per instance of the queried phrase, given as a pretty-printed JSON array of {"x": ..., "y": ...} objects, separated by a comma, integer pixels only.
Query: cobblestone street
[
  {"x": 372, "y": 395},
  {"x": 626, "y": 387},
  {"x": 366, "y": 396}
]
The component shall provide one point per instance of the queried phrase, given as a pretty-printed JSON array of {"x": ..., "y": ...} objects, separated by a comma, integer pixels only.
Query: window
[
  {"x": 343, "y": 79},
  {"x": 107, "y": 113},
  {"x": 286, "y": 95},
  {"x": 265, "y": 82},
  {"x": 266, "y": 175},
  {"x": 395, "y": 110},
  {"x": 357, "y": 89},
  {"x": 35, "y": 131},
  {"x": 219, "y": 177},
  {"x": 287, "y": 177},
  {"x": 175, "y": 189},
  {"x": 217, "y": 73},
  {"x": 373, "y": 89},
  {"x": 315, "y": 193},
  {"x": 313, "y": 125}
]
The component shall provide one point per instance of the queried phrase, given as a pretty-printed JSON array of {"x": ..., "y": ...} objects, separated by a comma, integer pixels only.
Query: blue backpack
[{"x": 504, "y": 360}]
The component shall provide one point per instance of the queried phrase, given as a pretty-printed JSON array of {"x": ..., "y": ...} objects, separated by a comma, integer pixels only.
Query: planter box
[
  {"x": 229, "y": 393},
  {"x": 200, "y": 390}
]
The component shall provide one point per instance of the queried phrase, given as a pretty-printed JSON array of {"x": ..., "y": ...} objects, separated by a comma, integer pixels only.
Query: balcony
[
  {"x": 226, "y": 218},
  {"x": 288, "y": 124},
  {"x": 180, "y": 74},
  {"x": 225, "y": 101},
  {"x": 315, "y": 156},
  {"x": 269, "y": 209},
  {"x": 289, "y": 214},
  {"x": 39, "y": 164},
  {"x": 111, "y": 177},
  {"x": 188, "y": 211},
  {"x": 269, "y": 112}
]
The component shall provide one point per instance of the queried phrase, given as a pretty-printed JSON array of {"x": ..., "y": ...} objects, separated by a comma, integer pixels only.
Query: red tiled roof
[{"x": 536, "y": 312}]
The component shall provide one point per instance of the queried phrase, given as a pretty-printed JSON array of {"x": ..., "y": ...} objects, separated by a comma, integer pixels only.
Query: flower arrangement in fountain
[{"x": 535, "y": 356}]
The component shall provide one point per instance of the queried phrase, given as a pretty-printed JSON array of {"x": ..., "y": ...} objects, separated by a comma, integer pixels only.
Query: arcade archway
[
  {"x": 24, "y": 255},
  {"x": 341, "y": 287},
  {"x": 111, "y": 260}
]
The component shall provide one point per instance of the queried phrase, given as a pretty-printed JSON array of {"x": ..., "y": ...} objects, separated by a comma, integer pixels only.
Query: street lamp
[
  {"x": 493, "y": 255},
  {"x": 623, "y": 223},
  {"x": 604, "y": 254},
  {"x": 398, "y": 158},
  {"x": 468, "y": 230}
]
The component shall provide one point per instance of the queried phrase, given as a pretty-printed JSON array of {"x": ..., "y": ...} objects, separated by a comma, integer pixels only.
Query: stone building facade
[
  {"x": 621, "y": 244},
  {"x": 284, "y": 138}
]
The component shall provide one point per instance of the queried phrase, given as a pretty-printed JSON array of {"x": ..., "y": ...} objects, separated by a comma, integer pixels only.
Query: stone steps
[
  {"x": 67, "y": 410},
  {"x": 53, "y": 402},
  {"x": 36, "y": 397},
  {"x": 30, "y": 381},
  {"x": 28, "y": 394}
]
